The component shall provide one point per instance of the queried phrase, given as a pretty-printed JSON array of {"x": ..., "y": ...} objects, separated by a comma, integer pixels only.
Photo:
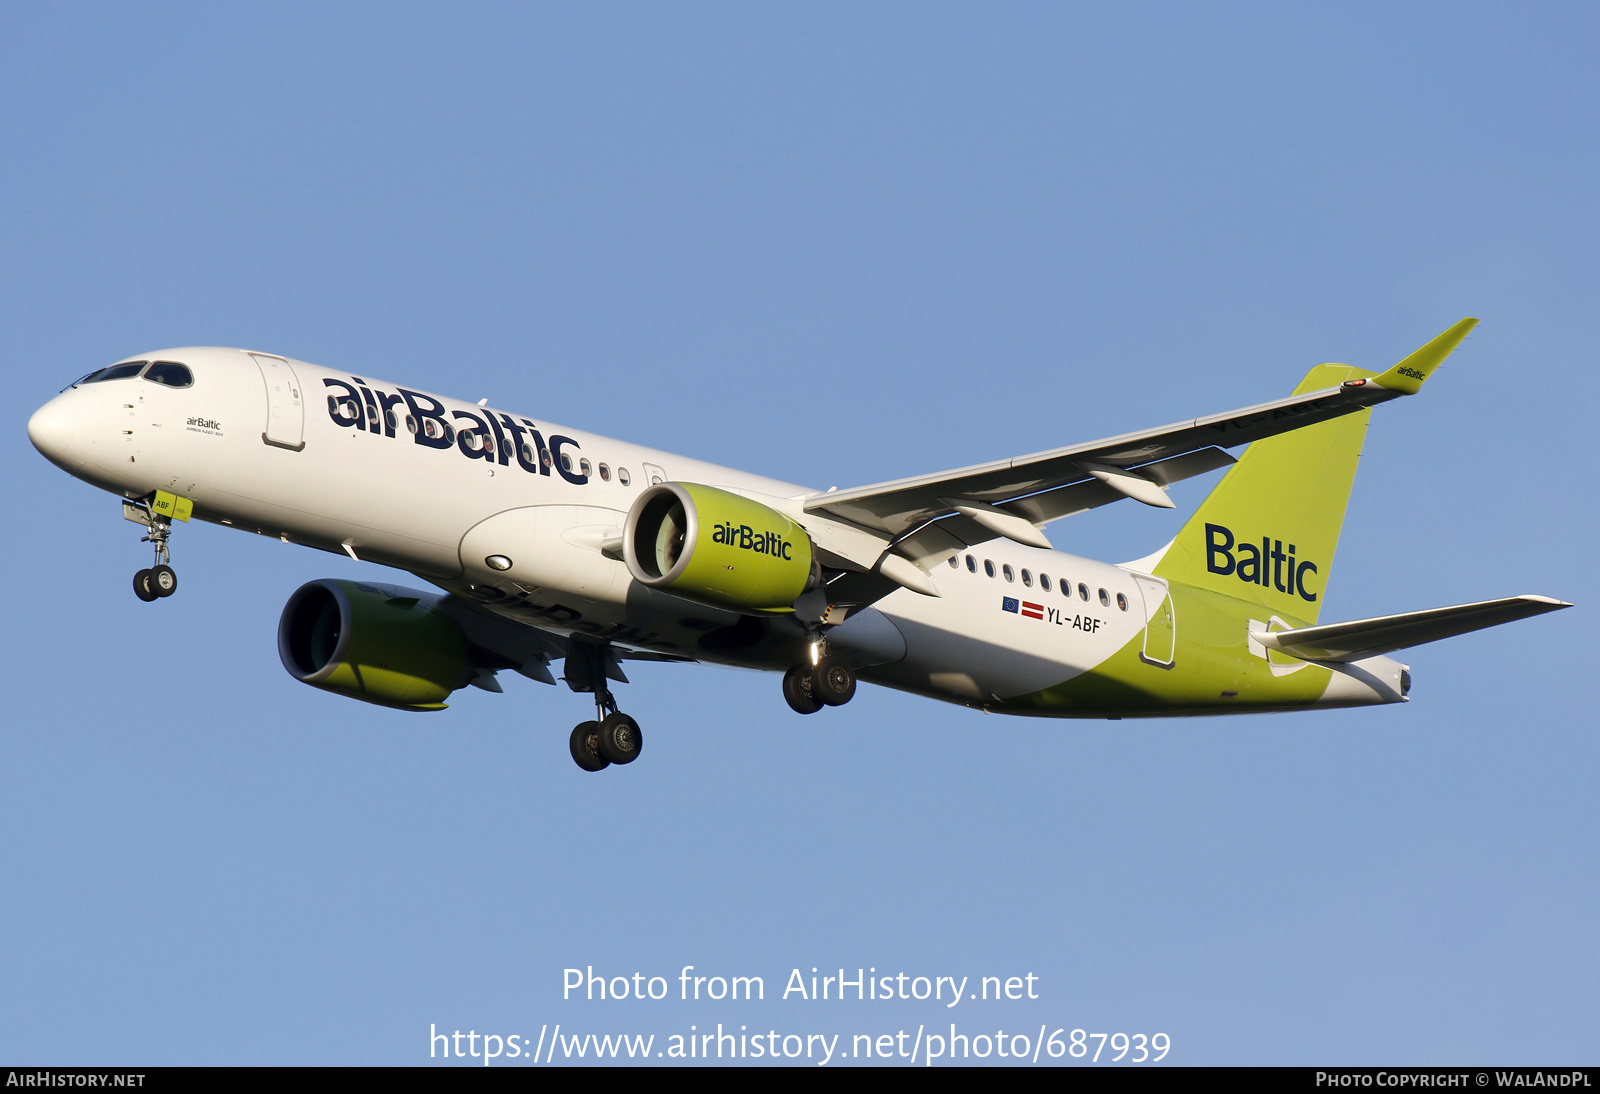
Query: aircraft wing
[
  {"x": 1154, "y": 457},
  {"x": 1003, "y": 497},
  {"x": 495, "y": 642},
  {"x": 1340, "y": 642}
]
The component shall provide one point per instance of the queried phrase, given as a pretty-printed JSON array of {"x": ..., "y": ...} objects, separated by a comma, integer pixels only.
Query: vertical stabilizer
[{"x": 1268, "y": 531}]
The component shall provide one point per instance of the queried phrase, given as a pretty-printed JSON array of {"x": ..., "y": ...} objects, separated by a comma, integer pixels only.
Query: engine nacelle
[
  {"x": 718, "y": 548},
  {"x": 377, "y": 643}
]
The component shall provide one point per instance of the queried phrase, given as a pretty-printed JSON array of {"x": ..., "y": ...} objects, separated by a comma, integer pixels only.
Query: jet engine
[
  {"x": 717, "y": 548},
  {"x": 377, "y": 643}
]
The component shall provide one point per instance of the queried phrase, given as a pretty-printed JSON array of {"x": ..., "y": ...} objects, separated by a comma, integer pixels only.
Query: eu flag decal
[{"x": 1009, "y": 604}]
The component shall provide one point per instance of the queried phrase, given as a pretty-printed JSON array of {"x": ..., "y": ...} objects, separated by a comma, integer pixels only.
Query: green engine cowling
[
  {"x": 718, "y": 548},
  {"x": 377, "y": 643}
]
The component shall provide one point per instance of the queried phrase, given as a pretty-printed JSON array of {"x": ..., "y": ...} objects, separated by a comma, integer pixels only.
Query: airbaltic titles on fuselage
[{"x": 479, "y": 434}]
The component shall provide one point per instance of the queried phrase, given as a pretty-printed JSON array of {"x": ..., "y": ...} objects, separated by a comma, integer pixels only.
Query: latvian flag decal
[{"x": 1027, "y": 607}]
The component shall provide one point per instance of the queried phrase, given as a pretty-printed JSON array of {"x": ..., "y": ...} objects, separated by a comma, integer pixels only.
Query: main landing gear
[
  {"x": 824, "y": 682},
  {"x": 159, "y": 580},
  {"x": 613, "y": 737}
]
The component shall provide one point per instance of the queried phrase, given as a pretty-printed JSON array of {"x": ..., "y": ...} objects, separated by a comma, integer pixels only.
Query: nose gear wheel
[{"x": 160, "y": 580}]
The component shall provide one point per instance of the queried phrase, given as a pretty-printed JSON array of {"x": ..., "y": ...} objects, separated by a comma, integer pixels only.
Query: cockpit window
[
  {"x": 170, "y": 373},
  {"x": 115, "y": 372}
]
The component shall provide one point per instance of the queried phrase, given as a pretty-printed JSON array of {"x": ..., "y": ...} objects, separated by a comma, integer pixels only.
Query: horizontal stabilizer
[{"x": 1369, "y": 637}]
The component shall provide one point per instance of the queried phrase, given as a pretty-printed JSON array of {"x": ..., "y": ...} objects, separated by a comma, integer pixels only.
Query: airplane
[{"x": 554, "y": 544}]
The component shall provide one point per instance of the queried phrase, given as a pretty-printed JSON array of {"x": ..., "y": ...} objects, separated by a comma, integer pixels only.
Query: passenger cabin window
[
  {"x": 605, "y": 472},
  {"x": 411, "y": 423},
  {"x": 583, "y": 468},
  {"x": 171, "y": 374},
  {"x": 566, "y": 462},
  {"x": 1006, "y": 569},
  {"x": 1027, "y": 578},
  {"x": 972, "y": 565},
  {"x": 1105, "y": 598},
  {"x": 623, "y": 477},
  {"x": 988, "y": 567},
  {"x": 955, "y": 562},
  {"x": 1083, "y": 590},
  {"x": 1122, "y": 602},
  {"x": 1044, "y": 582},
  {"x": 115, "y": 372}
]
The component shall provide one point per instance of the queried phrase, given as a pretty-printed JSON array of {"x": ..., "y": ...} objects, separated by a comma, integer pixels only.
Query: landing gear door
[
  {"x": 1161, "y": 622},
  {"x": 286, "y": 415}
]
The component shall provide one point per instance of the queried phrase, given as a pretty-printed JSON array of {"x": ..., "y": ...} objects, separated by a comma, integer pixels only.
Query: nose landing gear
[
  {"x": 155, "y": 583},
  {"x": 159, "y": 580}
]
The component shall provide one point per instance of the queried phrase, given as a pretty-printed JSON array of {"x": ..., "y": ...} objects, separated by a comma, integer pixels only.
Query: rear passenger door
[{"x": 1161, "y": 622}]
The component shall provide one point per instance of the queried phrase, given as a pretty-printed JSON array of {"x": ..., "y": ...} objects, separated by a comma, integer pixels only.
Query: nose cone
[{"x": 51, "y": 429}]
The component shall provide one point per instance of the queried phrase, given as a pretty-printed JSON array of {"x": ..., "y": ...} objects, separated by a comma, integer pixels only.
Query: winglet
[{"x": 1407, "y": 377}]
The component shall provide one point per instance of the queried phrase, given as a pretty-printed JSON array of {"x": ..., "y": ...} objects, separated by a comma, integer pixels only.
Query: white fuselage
[{"x": 352, "y": 464}]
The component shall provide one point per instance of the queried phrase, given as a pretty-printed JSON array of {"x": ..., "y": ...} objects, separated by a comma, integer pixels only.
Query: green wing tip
[{"x": 1409, "y": 375}]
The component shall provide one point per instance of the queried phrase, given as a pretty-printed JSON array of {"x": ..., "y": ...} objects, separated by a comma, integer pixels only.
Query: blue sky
[{"x": 834, "y": 244}]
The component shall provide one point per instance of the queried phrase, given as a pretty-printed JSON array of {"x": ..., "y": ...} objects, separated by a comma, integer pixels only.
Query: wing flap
[{"x": 1351, "y": 641}]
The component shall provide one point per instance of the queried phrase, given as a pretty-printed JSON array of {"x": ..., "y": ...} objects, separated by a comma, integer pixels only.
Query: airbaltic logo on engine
[
  {"x": 1264, "y": 565},
  {"x": 748, "y": 539}
]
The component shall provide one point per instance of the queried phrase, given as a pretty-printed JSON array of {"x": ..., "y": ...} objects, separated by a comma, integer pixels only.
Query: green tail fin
[{"x": 1268, "y": 531}]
